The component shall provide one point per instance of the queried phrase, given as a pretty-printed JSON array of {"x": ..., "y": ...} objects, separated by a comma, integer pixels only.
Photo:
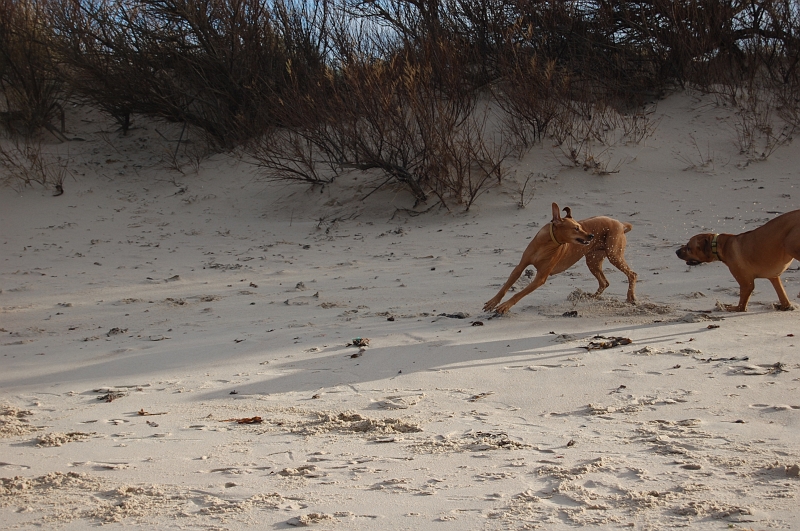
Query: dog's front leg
[
  {"x": 537, "y": 282},
  {"x": 746, "y": 287},
  {"x": 513, "y": 277}
]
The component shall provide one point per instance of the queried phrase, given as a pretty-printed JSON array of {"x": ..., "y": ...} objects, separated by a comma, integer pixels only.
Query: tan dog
[
  {"x": 561, "y": 243},
  {"x": 765, "y": 252}
]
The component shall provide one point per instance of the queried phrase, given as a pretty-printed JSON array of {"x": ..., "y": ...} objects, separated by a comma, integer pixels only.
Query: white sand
[{"x": 217, "y": 297}]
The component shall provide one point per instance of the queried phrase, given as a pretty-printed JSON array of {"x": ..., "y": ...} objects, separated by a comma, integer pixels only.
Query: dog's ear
[
  {"x": 568, "y": 211},
  {"x": 706, "y": 246},
  {"x": 556, "y": 213}
]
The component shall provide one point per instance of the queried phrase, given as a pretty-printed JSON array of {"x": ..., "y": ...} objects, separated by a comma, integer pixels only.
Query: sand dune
[{"x": 179, "y": 351}]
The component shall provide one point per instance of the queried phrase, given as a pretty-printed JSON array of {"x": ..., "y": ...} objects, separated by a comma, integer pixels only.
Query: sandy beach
[{"x": 209, "y": 350}]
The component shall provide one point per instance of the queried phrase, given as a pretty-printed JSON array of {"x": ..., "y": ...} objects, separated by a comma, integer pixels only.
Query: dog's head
[
  {"x": 698, "y": 250},
  {"x": 567, "y": 230}
]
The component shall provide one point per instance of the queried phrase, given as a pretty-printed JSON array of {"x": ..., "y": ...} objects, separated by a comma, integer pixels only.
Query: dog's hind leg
[
  {"x": 595, "y": 263},
  {"x": 794, "y": 252},
  {"x": 782, "y": 297},
  {"x": 618, "y": 261}
]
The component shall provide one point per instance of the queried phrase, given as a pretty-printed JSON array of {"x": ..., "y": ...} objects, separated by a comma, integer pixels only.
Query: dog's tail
[{"x": 626, "y": 227}]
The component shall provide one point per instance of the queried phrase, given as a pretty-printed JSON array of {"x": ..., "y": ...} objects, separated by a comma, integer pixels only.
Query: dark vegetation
[{"x": 403, "y": 89}]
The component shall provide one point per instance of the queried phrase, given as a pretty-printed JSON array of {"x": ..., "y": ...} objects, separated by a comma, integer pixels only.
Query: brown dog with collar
[
  {"x": 765, "y": 252},
  {"x": 561, "y": 243}
]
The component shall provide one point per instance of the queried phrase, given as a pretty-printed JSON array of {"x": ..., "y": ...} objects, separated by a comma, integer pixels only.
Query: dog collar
[
  {"x": 553, "y": 236},
  {"x": 714, "y": 248}
]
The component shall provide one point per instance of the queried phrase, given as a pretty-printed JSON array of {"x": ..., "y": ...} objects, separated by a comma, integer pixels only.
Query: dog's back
[{"x": 603, "y": 225}]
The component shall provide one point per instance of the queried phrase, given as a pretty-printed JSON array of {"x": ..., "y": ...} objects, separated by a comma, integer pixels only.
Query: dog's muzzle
[
  {"x": 588, "y": 240},
  {"x": 681, "y": 253}
]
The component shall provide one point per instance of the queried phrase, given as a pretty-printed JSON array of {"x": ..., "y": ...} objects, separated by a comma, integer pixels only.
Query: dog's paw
[
  {"x": 734, "y": 308},
  {"x": 722, "y": 307},
  {"x": 790, "y": 308},
  {"x": 490, "y": 305}
]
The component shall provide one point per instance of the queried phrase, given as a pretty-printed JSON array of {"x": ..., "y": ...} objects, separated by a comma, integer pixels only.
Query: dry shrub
[
  {"x": 759, "y": 130},
  {"x": 532, "y": 95},
  {"x": 544, "y": 100},
  {"x": 410, "y": 116},
  {"x": 32, "y": 93},
  {"x": 24, "y": 163},
  {"x": 568, "y": 74},
  {"x": 31, "y": 89},
  {"x": 217, "y": 65},
  {"x": 400, "y": 88}
]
